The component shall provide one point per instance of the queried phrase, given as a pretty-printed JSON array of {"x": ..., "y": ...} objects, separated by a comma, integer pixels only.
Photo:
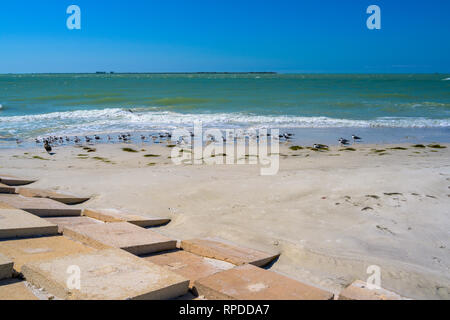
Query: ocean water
[{"x": 77, "y": 104}]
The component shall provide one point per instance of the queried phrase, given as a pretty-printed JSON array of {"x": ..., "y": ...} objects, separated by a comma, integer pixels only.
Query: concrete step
[
  {"x": 23, "y": 251},
  {"x": 121, "y": 235},
  {"x": 248, "y": 282},
  {"x": 60, "y": 197},
  {"x": 189, "y": 265},
  {"x": 6, "y": 267},
  {"x": 63, "y": 222},
  {"x": 40, "y": 207},
  {"x": 14, "y": 289},
  {"x": 14, "y": 181},
  {"x": 114, "y": 215},
  {"x": 221, "y": 250},
  {"x": 16, "y": 223},
  {"x": 7, "y": 189},
  {"x": 110, "y": 274}
]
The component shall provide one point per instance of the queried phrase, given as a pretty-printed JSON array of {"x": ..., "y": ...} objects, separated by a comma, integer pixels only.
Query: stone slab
[
  {"x": 220, "y": 250},
  {"x": 358, "y": 290},
  {"x": 14, "y": 289},
  {"x": 7, "y": 189},
  {"x": 39, "y": 206},
  {"x": 114, "y": 215},
  {"x": 60, "y": 197},
  {"x": 110, "y": 274},
  {"x": 16, "y": 223},
  {"x": 63, "y": 222},
  {"x": 38, "y": 249},
  {"x": 14, "y": 181},
  {"x": 6, "y": 267},
  {"x": 189, "y": 265},
  {"x": 248, "y": 282},
  {"x": 121, "y": 235}
]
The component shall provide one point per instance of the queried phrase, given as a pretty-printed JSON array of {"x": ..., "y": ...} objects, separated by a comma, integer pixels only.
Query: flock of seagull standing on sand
[{"x": 157, "y": 138}]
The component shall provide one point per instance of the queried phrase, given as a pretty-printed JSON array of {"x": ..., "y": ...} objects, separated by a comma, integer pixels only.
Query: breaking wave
[{"x": 117, "y": 119}]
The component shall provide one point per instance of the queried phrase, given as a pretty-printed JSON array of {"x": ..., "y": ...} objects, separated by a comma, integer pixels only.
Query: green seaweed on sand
[
  {"x": 347, "y": 149},
  {"x": 372, "y": 196},
  {"x": 102, "y": 159},
  {"x": 151, "y": 155},
  {"x": 39, "y": 158},
  {"x": 385, "y": 229},
  {"x": 129, "y": 150},
  {"x": 418, "y": 146},
  {"x": 88, "y": 149},
  {"x": 82, "y": 155},
  {"x": 398, "y": 148},
  {"x": 295, "y": 148},
  {"x": 377, "y": 150},
  {"x": 151, "y": 164},
  {"x": 171, "y": 145},
  {"x": 393, "y": 193},
  {"x": 436, "y": 146}
]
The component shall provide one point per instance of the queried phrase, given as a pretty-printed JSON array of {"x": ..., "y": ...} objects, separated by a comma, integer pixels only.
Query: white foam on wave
[
  {"x": 446, "y": 79},
  {"x": 116, "y": 119}
]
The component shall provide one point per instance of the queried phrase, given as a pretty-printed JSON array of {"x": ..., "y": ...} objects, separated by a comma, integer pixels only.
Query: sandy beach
[{"x": 330, "y": 214}]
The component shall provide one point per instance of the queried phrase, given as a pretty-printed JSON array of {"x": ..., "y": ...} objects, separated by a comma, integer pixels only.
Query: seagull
[
  {"x": 87, "y": 139},
  {"x": 355, "y": 138},
  {"x": 320, "y": 146},
  {"x": 18, "y": 141},
  {"x": 343, "y": 141},
  {"x": 37, "y": 140},
  {"x": 76, "y": 139},
  {"x": 109, "y": 138},
  {"x": 142, "y": 137},
  {"x": 67, "y": 139},
  {"x": 47, "y": 146},
  {"x": 97, "y": 137}
]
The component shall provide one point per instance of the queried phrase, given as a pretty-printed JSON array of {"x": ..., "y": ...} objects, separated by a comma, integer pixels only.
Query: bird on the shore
[
  {"x": 37, "y": 140},
  {"x": 67, "y": 139},
  {"x": 88, "y": 139},
  {"x": 97, "y": 137},
  {"x": 320, "y": 146},
  {"x": 355, "y": 138},
  {"x": 47, "y": 146},
  {"x": 18, "y": 141},
  {"x": 109, "y": 138},
  {"x": 343, "y": 142},
  {"x": 142, "y": 137},
  {"x": 76, "y": 139}
]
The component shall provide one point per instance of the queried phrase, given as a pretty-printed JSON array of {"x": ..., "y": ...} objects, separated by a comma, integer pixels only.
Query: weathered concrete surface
[
  {"x": 114, "y": 215},
  {"x": 6, "y": 267},
  {"x": 358, "y": 290},
  {"x": 14, "y": 181},
  {"x": 218, "y": 249},
  {"x": 39, "y": 206},
  {"x": 122, "y": 235},
  {"x": 248, "y": 282},
  {"x": 107, "y": 274},
  {"x": 60, "y": 197},
  {"x": 63, "y": 222},
  {"x": 189, "y": 265},
  {"x": 17, "y": 223},
  {"x": 13, "y": 289},
  {"x": 7, "y": 189},
  {"x": 38, "y": 249}
]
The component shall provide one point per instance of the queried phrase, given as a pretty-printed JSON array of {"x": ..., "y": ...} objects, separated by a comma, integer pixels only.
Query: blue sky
[{"x": 225, "y": 35}]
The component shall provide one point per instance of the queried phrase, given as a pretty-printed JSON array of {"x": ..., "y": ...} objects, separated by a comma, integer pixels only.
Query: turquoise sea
[{"x": 37, "y": 105}]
